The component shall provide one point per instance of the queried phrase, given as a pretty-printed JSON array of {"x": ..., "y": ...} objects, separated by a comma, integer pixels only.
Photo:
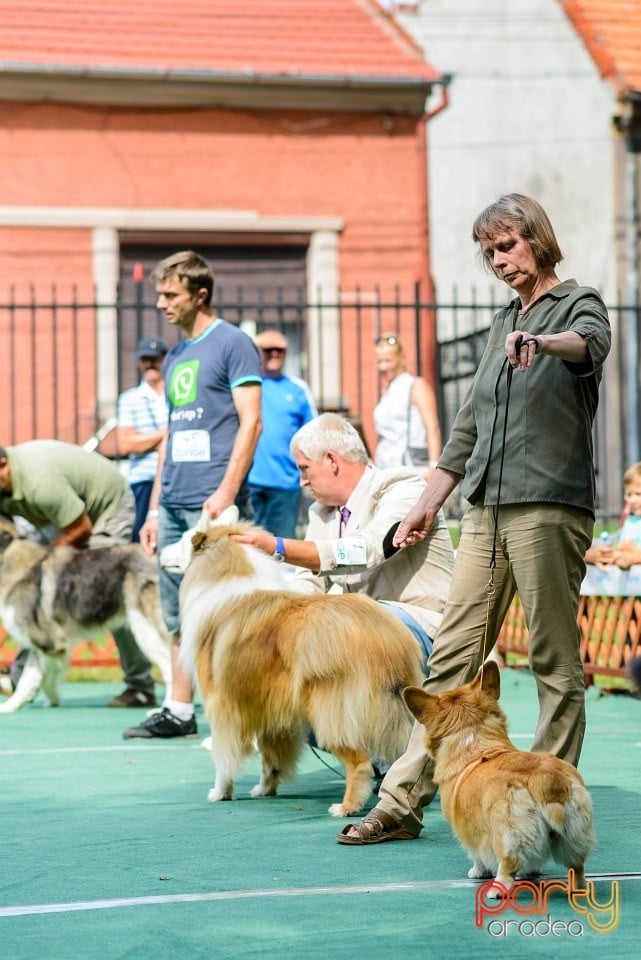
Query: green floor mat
[{"x": 111, "y": 851}]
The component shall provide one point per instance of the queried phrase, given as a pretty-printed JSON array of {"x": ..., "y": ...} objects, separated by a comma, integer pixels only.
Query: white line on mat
[{"x": 412, "y": 887}]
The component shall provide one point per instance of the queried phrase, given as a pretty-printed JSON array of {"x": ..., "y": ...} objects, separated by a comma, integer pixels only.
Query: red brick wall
[
  {"x": 364, "y": 169},
  {"x": 282, "y": 164}
]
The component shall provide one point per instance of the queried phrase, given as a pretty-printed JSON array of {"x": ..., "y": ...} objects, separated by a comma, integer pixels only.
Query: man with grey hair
[{"x": 348, "y": 544}]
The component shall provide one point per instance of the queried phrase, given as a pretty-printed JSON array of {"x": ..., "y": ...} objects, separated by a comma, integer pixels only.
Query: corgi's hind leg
[
  {"x": 573, "y": 844},
  {"x": 509, "y": 866},
  {"x": 359, "y": 777},
  {"x": 280, "y": 757},
  {"x": 478, "y": 870},
  {"x": 579, "y": 876},
  {"x": 574, "y": 854}
]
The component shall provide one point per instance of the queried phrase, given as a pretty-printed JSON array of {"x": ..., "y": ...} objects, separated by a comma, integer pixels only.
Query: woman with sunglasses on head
[{"x": 406, "y": 416}]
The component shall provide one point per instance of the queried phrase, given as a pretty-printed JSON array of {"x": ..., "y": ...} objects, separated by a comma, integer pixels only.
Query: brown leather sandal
[{"x": 376, "y": 827}]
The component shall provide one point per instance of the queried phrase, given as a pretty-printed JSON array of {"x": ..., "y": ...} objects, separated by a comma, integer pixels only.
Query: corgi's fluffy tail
[{"x": 572, "y": 833}]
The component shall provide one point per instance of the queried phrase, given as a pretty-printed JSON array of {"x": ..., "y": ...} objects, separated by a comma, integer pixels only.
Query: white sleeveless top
[{"x": 391, "y": 423}]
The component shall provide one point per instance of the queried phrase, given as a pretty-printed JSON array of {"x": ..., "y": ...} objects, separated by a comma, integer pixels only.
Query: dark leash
[
  {"x": 314, "y": 750},
  {"x": 339, "y": 773},
  {"x": 490, "y": 588}
]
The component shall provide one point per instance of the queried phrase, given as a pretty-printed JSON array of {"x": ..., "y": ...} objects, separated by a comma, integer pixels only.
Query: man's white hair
[{"x": 328, "y": 432}]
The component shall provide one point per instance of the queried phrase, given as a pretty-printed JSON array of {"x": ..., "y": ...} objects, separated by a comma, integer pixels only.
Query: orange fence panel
[
  {"x": 97, "y": 652},
  {"x": 610, "y": 634}
]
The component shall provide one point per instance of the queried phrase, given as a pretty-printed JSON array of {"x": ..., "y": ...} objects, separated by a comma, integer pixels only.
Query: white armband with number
[{"x": 350, "y": 552}]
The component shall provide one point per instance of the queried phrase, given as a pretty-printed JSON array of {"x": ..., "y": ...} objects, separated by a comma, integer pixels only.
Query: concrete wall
[{"x": 528, "y": 113}]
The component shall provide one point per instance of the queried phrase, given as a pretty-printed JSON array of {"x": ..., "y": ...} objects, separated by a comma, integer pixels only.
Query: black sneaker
[
  {"x": 163, "y": 724},
  {"x": 133, "y": 698}
]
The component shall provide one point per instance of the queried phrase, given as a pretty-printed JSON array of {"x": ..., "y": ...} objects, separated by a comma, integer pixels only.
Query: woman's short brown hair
[{"x": 527, "y": 216}]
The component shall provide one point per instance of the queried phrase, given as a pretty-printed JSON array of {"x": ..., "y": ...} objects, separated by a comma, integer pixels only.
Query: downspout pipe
[
  {"x": 424, "y": 284},
  {"x": 629, "y": 124},
  {"x": 632, "y": 291}
]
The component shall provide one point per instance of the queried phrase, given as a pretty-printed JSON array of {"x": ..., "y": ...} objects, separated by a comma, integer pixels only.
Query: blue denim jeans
[
  {"x": 415, "y": 628},
  {"x": 172, "y": 523},
  {"x": 276, "y": 510},
  {"x": 142, "y": 496}
]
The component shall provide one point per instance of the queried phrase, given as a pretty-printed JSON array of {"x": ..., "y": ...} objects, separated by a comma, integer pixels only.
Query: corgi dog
[{"x": 511, "y": 810}]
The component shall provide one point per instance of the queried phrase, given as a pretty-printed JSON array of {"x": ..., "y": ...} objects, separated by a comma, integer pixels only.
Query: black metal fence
[{"x": 65, "y": 361}]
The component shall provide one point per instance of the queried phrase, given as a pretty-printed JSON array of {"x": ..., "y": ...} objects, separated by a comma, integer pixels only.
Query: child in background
[{"x": 623, "y": 549}]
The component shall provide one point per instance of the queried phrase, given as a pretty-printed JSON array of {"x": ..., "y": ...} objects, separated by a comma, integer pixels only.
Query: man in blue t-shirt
[
  {"x": 213, "y": 386},
  {"x": 287, "y": 405}
]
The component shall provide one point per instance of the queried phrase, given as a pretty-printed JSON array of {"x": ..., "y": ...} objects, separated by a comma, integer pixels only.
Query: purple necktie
[{"x": 345, "y": 515}]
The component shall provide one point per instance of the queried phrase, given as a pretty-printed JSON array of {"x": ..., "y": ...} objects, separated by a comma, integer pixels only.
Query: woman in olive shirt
[{"x": 555, "y": 336}]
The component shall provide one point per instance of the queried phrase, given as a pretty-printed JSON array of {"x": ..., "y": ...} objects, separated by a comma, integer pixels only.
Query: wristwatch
[{"x": 279, "y": 552}]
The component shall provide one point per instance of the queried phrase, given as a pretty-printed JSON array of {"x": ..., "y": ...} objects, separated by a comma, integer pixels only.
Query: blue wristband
[{"x": 279, "y": 552}]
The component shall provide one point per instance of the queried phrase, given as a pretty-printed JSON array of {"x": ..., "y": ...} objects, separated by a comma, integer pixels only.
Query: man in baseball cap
[{"x": 152, "y": 347}]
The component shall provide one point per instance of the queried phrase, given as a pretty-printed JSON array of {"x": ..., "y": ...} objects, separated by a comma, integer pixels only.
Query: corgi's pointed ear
[
  {"x": 420, "y": 703},
  {"x": 491, "y": 679}
]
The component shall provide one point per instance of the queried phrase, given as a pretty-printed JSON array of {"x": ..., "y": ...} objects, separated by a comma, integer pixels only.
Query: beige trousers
[{"x": 540, "y": 551}]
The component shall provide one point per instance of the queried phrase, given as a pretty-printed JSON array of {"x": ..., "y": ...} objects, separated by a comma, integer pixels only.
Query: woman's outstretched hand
[
  {"x": 415, "y": 527},
  {"x": 419, "y": 521}
]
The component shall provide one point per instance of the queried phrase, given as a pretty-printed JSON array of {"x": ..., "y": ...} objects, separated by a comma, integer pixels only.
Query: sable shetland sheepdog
[
  {"x": 511, "y": 810},
  {"x": 52, "y": 598},
  {"x": 271, "y": 664}
]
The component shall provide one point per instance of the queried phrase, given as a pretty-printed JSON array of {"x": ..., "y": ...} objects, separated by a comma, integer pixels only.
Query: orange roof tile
[
  {"x": 611, "y": 30},
  {"x": 312, "y": 38}
]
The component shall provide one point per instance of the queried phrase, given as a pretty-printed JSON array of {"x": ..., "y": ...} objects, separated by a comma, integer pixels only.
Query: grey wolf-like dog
[{"x": 52, "y": 598}]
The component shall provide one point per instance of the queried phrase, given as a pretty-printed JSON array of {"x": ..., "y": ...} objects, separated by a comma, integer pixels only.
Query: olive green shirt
[
  {"x": 548, "y": 446},
  {"x": 54, "y": 483}
]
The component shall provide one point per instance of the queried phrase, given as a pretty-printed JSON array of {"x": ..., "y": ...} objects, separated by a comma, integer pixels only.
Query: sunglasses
[
  {"x": 390, "y": 340},
  {"x": 273, "y": 349}
]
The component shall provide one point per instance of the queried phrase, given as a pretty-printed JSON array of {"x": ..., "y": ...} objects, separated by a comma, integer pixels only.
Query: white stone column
[
  {"x": 106, "y": 268},
  {"x": 324, "y": 335}
]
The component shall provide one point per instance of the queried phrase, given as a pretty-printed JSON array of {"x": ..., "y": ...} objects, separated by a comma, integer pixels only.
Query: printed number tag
[
  {"x": 191, "y": 446},
  {"x": 350, "y": 552}
]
